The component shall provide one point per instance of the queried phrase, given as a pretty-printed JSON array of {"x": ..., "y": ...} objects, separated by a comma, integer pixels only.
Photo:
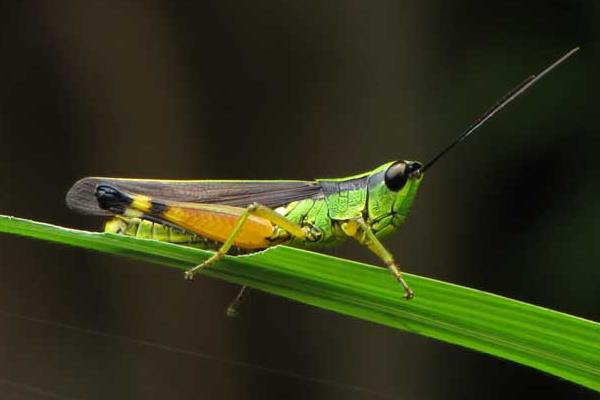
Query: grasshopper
[{"x": 248, "y": 216}]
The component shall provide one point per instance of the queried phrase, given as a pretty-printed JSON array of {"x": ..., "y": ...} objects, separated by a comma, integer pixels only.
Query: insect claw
[
  {"x": 408, "y": 292},
  {"x": 232, "y": 312},
  {"x": 188, "y": 275},
  {"x": 191, "y": 273}
]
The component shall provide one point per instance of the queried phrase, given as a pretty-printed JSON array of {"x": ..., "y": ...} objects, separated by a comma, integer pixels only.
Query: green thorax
[{"x": 365, "y": 195}]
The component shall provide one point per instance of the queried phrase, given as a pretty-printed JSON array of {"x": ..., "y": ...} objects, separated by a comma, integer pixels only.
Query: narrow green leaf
[{"x": 558, "y": 343}]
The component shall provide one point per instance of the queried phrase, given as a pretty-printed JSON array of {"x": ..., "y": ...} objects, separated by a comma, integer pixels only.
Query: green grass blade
[{"x": 560, "y": 344}]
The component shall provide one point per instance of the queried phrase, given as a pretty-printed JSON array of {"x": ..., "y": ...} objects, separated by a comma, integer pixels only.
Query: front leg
[{"x": 369, "y": 239}]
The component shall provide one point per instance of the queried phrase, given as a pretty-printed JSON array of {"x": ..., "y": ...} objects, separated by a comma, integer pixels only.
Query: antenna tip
[{"x": 572, "y": 51}]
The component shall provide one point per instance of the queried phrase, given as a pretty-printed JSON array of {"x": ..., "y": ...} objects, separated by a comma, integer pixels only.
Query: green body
[{"x": 365, "y": 195}]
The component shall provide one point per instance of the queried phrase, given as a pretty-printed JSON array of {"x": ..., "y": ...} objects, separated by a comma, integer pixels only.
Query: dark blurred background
[{"x": 279, "y": 89}]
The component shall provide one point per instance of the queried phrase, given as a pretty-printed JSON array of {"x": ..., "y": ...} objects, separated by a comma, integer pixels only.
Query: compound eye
[{"x": 396, "y": 176}]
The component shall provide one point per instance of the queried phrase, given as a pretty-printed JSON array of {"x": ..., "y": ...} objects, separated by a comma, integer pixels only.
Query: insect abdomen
[
  {"x": 212, "y": 221},
  {"x": 143, "y": 229}
]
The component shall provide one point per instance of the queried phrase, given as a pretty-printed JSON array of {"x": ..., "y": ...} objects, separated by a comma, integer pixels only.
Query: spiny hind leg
[
  {"x": 261, "y": 211},
  {"x": 370, "y": 240}
]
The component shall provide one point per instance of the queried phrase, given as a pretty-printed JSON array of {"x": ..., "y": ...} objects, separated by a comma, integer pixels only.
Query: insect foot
[
  {"x": 408, "y": 293},
  {"x": 189, "y": 275},
  {"x": 232, "y": 312}
]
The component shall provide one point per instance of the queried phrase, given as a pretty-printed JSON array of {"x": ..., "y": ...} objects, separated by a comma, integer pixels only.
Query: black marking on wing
[
  {"x": 236, "y": 193},
  {"x": 111, "y": 199}
]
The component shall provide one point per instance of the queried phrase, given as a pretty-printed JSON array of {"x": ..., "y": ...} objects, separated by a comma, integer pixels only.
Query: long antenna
[{"x": 499, "y": 105}]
